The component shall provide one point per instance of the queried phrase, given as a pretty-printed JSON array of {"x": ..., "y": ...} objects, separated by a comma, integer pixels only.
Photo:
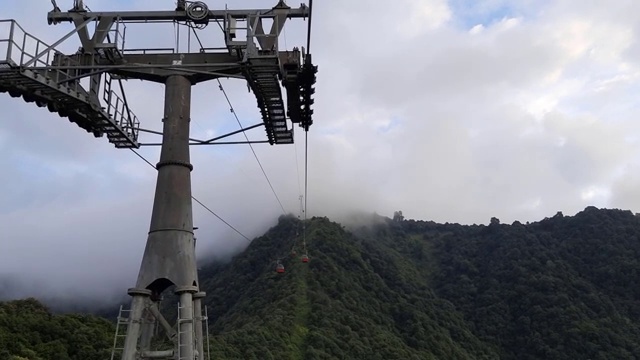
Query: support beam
[
  {"x": 74, "y": 78},
  {"x": 100, "y": 34},
  {"x": 185, "y": 59},
  {"x": 163, "y": 354},
  {"x": 127, "y": 16},
  {"x": 198, "y": 67},
  {"x": 160, "y": 133},
  {"x": 217, "y": 143},
  {"x": 232, "y": 133},
  {"x": 170, "y": 332},
  {"x": 267, "y": 41}
]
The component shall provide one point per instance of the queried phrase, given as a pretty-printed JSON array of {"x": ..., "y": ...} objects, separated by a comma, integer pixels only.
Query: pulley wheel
[{"x": 198, "y": 12}]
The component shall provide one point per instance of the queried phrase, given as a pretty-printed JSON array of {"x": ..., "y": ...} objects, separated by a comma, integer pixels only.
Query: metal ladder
[
  {"x": 203, "y": 322},
  {"x": 120, "y": 333},
  {"x": 179, "y": 322},
  {"x": 206, "y": 333}
]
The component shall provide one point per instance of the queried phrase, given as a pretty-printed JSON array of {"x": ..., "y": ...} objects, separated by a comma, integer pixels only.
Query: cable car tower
[{"x": 39, "y": 73}]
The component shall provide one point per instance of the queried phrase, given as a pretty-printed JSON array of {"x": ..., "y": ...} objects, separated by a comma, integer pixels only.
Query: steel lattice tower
[{"x": 39, "y": 73}]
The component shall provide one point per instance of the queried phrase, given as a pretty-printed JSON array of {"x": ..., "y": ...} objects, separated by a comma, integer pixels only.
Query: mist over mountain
[{"x": 561, "y": 288}]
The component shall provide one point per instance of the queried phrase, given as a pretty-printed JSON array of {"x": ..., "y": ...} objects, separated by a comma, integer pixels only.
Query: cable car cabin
[
  {"x": 293, "y": 253},
  {"x": 280, "y": 268},
  {"x": 305, "y": 259}
]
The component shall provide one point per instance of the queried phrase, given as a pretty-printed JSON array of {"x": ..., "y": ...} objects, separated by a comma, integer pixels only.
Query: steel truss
[{"x": 37, "y": 72}]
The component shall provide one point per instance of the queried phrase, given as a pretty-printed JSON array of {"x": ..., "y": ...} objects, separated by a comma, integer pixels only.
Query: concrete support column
[
  {"x": 138, "y": 303},
  {"x": 186, "y": 344},
  {"x": 147, "y": 330},
  {"x": 169, "y": 256}
]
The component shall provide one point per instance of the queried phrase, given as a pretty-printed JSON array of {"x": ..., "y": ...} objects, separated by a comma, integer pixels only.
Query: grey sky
[{"x": 448, "y": 110}]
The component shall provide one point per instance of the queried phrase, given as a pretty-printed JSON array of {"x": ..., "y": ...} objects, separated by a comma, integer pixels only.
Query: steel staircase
[
  {"x": 43, "y": 81},
  {"x": 262, "y": 74}
]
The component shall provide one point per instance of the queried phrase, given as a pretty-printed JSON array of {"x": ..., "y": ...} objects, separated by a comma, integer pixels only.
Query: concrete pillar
[
  {"x": 186, "y": 343},
  {"x": 147, "y": 330},
  {"x": 169, "y": 255},
  {"x": 135, "y": 318}
]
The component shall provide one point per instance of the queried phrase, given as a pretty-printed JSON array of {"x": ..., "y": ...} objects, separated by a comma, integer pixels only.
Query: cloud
[
  {"x": 447, "y": 110},
  {"x": 494, "y": 119}
]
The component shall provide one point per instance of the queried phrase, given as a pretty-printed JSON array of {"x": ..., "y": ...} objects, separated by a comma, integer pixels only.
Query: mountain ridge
[{"x": 563, "y": 288}]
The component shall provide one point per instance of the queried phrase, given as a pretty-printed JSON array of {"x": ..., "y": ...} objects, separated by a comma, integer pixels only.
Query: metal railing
[
  {"x": 8, "y": 28},
  {"x": 118, "y": 109},
  {"x": 18, "y": 47},
  {"x": 35, "y": 58},
  {"x": 119, "y": 32},
  {"x": 22, "y": 48},
  {"x": 120, "y": 113}
]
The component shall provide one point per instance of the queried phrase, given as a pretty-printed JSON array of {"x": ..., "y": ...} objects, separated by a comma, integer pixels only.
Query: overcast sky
[{"x": 452, "y": 111}]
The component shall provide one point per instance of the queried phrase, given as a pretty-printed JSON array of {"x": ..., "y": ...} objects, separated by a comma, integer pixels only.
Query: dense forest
[
  {"x": 29, "y": 331},
  {"x": 561, "y": 288}
]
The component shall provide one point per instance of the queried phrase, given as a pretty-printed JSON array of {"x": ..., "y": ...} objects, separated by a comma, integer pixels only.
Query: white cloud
[
  {"x": 476, "y": 29},
  {"x": 425, "y": 16}
]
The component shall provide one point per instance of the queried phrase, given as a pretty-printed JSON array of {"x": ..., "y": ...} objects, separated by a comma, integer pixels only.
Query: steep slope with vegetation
[
  {"x": 28, "y": 331},
  {"x": 351, "y": 301},
  {"x": 561, "y": 288}
]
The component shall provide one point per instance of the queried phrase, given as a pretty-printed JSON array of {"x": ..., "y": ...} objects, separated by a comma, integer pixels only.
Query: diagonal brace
[
  {"x": 62, "y": 39},
  {"x": 74, "y": 78},
  {"x": 232, "y": 133},
  {"x": 268, "y": 41},
  {"x": 161, "y": 133},
  {"x": 171, "y": 333}
]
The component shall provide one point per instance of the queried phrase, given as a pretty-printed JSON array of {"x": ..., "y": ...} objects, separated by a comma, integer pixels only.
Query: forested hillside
[
  {"x": 351, "y": 301},
  {"x": 28, "y": 331},
  {"x": 562, "y": 288}
]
